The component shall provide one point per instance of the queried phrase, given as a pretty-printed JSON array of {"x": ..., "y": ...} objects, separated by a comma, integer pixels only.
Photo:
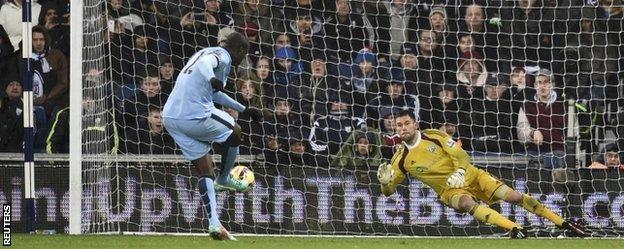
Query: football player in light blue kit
[{"x": 194, "y": 123}]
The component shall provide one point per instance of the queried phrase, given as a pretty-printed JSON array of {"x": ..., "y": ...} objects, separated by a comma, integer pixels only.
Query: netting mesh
[{"x": 529, "y": 87}]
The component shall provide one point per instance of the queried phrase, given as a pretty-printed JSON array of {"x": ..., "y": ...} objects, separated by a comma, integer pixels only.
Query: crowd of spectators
[{"x": 329, "y": 75}]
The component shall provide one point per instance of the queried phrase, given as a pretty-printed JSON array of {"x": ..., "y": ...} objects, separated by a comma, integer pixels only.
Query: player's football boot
[
  {"x": 518, "y": 233},
  {"x": 232, "y": 185},
  {"x": 575, "y": 227},
  {"x": 220, "y": 233}
]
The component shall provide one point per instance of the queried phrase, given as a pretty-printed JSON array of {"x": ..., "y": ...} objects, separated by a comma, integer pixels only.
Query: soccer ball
[{"x": 244, "y": 174}]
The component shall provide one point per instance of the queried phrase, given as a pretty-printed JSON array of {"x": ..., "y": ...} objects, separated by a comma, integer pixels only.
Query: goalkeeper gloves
[
  {"x": 216, "y": 84},
  {"x": 253, "y": 113},
  {"x": 385, "y": 173},
  {"x": 457, "y": 179}
]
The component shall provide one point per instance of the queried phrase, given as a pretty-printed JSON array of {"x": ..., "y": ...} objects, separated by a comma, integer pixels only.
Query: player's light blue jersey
[{"x": 192, "y": 96}]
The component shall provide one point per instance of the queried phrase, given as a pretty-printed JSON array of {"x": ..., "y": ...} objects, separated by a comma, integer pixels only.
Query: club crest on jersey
[
  {"x": 450, "y": 143},
  {"x": 432, "y": 149}
]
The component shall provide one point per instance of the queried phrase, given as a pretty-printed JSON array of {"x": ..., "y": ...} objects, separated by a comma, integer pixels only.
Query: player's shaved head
[{"x": 238, "y": 46}]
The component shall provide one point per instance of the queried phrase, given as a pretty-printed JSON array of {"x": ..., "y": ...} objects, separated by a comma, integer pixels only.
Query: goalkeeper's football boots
[
  {"x": 575, "y": 227},
  {"x": 220, "y": 233},
  {"x": 518, "y": 233},
  {"x": 232, "y": 185}
]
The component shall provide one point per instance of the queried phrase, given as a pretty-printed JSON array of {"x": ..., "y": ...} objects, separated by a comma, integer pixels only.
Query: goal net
[{"x": 530, "y": 88}]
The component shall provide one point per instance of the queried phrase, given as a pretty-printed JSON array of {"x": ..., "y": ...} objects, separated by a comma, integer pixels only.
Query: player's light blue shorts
[{"x": 195, "y": 136}]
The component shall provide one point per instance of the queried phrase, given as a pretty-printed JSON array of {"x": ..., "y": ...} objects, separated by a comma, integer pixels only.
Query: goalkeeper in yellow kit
[{"x": 434, "y": 158}]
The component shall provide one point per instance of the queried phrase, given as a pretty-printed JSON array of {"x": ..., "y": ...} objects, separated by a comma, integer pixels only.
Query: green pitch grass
[{"x": 193, "y": 242}]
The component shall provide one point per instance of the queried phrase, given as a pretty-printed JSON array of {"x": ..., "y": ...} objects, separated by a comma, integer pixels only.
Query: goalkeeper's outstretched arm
[{"x": 389, "y": 176}]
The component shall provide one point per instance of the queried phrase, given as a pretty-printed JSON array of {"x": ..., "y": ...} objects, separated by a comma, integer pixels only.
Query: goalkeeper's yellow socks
[
  {"x": 488, "y": 215},
  {"x": 534, "y": 206}
]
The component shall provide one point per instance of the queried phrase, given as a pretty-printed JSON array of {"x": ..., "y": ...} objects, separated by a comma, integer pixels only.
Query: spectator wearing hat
[
  {"x": 345, "y": 32},
  {"x": 251, "y": 31},
  {"x": 329, "y": 132},
  {"x": 471, "y": 75},
  {"x": 609, "y": 158},
  {"x": 407, "y": 71},
  {"x": 363, "y": 77},
  {"x": 287, "y": 67},
  {"x": 393, "y": 96},
  {"x": 447, "y": 39},
  {"x": 11, "y": 117},
  {"x": 256, "y": 47},
  {"x": 361, "y": 152},
  {"x": 258, "y": 12},
  {"x": 541, "y": 122},
  {"x": 487, "y": 123},
  {"x": 281, "y": 40},
  {"x": 438, "y": 20}
]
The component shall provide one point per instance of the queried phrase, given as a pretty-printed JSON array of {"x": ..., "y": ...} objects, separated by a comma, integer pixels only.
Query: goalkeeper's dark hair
[
  {"x": 236, "y": 41},
  {"x": 408, "y": 113}
]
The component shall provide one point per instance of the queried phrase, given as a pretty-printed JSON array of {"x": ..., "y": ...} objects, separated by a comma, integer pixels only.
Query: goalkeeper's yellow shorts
[{"x": 483, "y": 188}]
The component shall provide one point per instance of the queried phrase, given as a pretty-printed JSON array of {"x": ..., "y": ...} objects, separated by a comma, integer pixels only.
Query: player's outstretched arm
[{"x": 223, "y": 99}]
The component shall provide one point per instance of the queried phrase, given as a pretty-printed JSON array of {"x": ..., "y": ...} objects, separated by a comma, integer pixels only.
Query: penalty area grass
[{"x": 61, "y": 241}]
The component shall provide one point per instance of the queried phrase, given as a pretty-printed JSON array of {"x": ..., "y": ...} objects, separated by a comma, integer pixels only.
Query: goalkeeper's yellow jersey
[{"x": 431, "y": 159}]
